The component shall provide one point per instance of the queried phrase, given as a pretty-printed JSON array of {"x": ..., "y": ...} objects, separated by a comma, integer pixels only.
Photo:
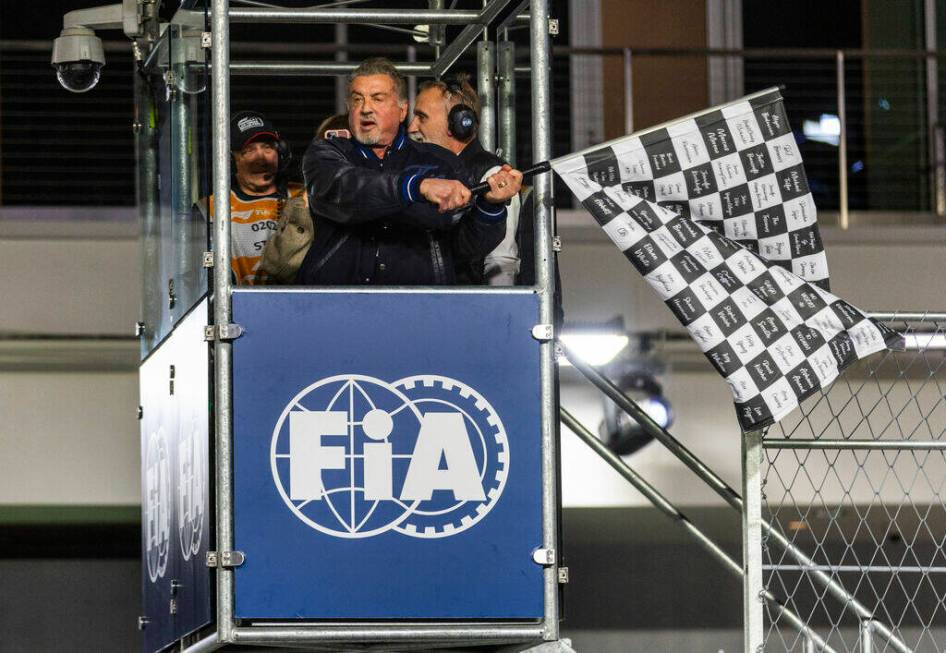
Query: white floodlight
[{"x": 594, "y": 348}]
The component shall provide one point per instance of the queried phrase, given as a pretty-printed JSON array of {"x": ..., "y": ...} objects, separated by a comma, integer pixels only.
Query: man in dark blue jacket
[{"x": 388, "y": 211}]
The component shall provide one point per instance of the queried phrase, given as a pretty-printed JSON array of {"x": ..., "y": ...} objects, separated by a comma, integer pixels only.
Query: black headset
[
  {"x": 284, "y": 154},
  {"x": 462, "y": 122}
]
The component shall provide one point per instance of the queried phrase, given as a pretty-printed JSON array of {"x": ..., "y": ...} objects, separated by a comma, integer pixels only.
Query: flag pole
[{"x": 541, "y": 166}]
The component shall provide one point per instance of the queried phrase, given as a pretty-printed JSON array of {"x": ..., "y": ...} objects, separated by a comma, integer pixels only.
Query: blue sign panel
[
  {"x": 387, "y": 455},
  {"x": 175, "y": 498}
]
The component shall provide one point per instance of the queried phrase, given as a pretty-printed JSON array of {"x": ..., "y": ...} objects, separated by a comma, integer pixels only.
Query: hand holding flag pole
[{"x": 542, "y": 166}]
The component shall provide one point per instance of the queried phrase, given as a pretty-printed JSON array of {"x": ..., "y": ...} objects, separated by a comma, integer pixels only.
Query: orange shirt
[{"x": 253, "y": 219}]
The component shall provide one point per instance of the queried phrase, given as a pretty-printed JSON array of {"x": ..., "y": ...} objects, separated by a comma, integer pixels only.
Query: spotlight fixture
[{"x": 618, "y": 430}]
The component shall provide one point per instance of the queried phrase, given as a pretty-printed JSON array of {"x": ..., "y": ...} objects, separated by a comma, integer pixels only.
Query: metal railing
[{"x": 868, "y": 122}]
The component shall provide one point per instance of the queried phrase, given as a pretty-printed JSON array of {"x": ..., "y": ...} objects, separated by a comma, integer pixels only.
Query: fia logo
[
  {"x": 157, "y": 505},
  {"x": 191, "y": 461},
  {"x": 354, "y": 456}
]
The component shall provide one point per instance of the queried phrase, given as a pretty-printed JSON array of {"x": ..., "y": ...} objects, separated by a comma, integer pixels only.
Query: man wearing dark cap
[{"x": 258, "y": 192}]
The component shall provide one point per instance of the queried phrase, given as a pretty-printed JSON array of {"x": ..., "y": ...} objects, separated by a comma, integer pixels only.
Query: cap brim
[{"x": 259, "y": 135}]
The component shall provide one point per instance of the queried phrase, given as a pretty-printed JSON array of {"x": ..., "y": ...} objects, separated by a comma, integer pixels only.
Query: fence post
[
  {"x": 411, "y": 79},
  {"x": 341, "y": 55},
  {"x": 506, "y": 67},
  {"x": 843, "y": 220},
  {"x": 939, "y": 170},
  {"x": 935, "y": 130},
  {"x": 867, "y": 636},
  {"x": 628, "y": 92},
  {"x": 222, "y": 396},
  {"x": 486, "y": 75},
  {"x": 752, "y": 588},
  {"x": 541, "y": 63}
]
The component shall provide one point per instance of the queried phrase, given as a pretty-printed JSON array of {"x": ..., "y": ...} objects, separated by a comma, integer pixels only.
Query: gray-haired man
[{"x": 386, "y": 207}]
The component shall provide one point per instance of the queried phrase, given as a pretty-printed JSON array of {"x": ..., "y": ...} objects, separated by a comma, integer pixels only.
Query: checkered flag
[
  {"x": 776, "y": 336},
  {"x": 735, "y": 169}
]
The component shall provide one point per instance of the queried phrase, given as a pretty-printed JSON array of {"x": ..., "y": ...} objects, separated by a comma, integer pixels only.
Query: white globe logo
[
  {"x": 157, "y": 505},
  {"x": 353, "y": 456},
  {"x": 190, "y": 489}
]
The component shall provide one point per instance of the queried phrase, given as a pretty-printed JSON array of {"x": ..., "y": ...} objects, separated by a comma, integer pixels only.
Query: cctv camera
[{"x": 78, "y": 58}]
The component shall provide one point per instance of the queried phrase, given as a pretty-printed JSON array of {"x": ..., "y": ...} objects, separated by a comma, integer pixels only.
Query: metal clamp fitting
[
  {"x": 542, "y": 332},
  {"x": 544, "y": 557},
  {"x": 226, "y": 559},
  {"x": 214, "y": 332},
  {"x": 563, "y": 575}
]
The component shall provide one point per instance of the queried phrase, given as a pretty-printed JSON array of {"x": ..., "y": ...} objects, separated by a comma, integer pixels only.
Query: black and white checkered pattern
[
  {"x": 775, "y": 336},
  {"x": 736, "y": 169}
]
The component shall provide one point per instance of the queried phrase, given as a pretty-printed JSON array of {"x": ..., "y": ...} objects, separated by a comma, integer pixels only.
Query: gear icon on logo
[{"x": 443, "y": 517}]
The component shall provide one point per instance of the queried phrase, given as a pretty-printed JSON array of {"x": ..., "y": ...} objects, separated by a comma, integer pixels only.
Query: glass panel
[{"x": 174, "y": 146}]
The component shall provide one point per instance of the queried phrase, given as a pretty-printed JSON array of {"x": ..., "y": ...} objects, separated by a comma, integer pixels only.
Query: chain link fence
[{"x": 855, "y": 481}]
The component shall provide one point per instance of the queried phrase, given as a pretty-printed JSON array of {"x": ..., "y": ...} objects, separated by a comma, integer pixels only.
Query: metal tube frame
[
  {"x": 927, "y": 316},
  {"x": 934, "y": 130},
  {"x": 753, "y": 617},
  {"x": 894, "y": 445},
  {"x": 506, "y": 104},
  {"x": 210, "y": 643},
  {"x": 386, "y": 633},
  {"x": 222, "y": 314},
  {"x": 628, "y": 91},
  {"x": 541, "y": 63},
  {"x": 146, "y": 191},
  {"x": 466, "y": 37},
  {"x": 867, "y": 636},
  {"x": 182, "y": 166},
  {"x": 486, "y": 89},
  {"x": 355, "y": 16},
  {"x": 442, "y": 633},
  {"x": 315, "y": 68},
  {"x": 729, "y": 495},
  {"x": 843, "y": 215}
]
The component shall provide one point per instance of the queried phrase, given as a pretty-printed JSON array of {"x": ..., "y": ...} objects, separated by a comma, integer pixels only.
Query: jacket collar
[
  {"x": 472, "y": 149},
  {"x": 399, "y": 141}
]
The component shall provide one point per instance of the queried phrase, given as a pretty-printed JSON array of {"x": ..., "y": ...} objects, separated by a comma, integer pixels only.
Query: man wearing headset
[
  {"x": 446, "y": 113},
  {"x": 258, "y": 192},
  {"x": 387, "y": 210}
]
